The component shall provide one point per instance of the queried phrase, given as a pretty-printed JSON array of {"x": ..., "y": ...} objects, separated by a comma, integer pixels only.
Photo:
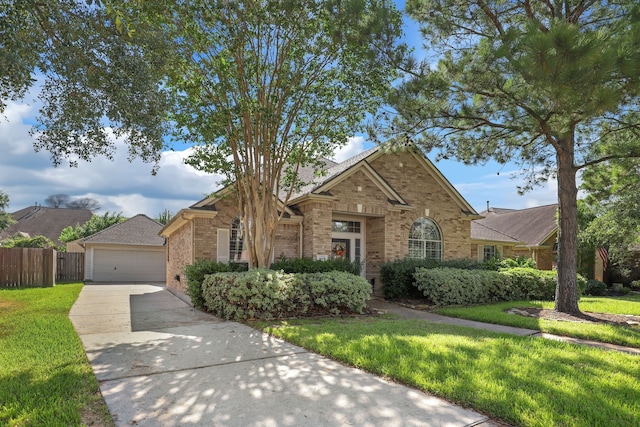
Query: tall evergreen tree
[{"x": 533, "y": 82}]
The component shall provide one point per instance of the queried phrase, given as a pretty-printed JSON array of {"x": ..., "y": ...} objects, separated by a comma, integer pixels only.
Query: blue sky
[{"x": 119, "y": 186}]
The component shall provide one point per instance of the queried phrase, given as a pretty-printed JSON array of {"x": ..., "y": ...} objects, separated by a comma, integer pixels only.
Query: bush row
[
  {"x": 398, "y": 276},
  {"x": 197, "y": 272},
  {"x": 450, "y": 286},
  {"x": 308, "y": 265},
  {"x": 269, "y": 294}
]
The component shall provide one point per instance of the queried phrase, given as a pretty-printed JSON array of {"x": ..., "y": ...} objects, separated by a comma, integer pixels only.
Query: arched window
[
  {"x": 425, "y": 240},
  {"x": 236, "y": 240}
]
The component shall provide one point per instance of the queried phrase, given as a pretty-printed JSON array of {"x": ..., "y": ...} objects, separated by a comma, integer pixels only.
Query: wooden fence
[
  {"x": 70, "y": 267},
  {"x": 27, "y": 267}
]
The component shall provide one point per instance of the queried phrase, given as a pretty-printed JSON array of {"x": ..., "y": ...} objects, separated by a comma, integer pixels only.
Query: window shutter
[{"x": 223, "y": 245}]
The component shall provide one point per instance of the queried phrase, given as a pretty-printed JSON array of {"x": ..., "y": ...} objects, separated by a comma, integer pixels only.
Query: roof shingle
[{"x": 139, "y": 230}]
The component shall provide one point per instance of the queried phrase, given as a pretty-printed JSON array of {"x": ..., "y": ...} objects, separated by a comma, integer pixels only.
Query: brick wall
[
  {"x": 179, "y": 254},
  {"x": 316, "y": 228},
  {"x": 287, "y": 241}
]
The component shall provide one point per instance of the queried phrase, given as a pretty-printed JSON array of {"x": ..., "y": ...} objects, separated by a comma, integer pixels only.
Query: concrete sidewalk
[{"x": 161, "y": 363}]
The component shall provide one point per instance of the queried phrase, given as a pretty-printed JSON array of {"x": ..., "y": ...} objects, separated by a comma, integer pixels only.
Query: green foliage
[
  {"x": 197, "y": 272},
  {"x": 453, "y": 286},
  {"x": 308, "y": 265},
  {"x": 398, "y": 276},
  {"x": 5, "y": 218},
  {"x": 531, "y": 284},
  {"x": 269, "y": 294},
  {"x": 447, "y": 286},
  {"x": 595, "y": 288},
  {"x": 19, "y": 241},
  {"x": 96, "y": 223},
  {"x": 164, "y": 217},
  {"x": 635, "y": 285},
  {"x": 98, "y": 80},
  {"x": 529, "y": 84}
]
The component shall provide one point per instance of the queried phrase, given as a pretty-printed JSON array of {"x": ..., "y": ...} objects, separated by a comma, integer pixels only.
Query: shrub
[
  {"x": 635, "y": 285},
  {"x": 530, "y": 283},
  {"x": 197, "y": 272},
  {"x": 595, "y": 288},
  {"x": 447, "y": 286},
  {"x": 269, "y": 294},
  {"x": 308, "y": 265},
  {"x": 397, "y": 277}
]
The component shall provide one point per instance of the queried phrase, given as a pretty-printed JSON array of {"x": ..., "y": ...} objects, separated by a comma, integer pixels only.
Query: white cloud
[
  {"x": 354, "y": 146},
  {"x": 119, "y": 185}
]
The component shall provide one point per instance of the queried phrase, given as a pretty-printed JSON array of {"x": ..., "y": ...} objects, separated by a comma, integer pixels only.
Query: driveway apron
[{"x": 162, "y": 363}]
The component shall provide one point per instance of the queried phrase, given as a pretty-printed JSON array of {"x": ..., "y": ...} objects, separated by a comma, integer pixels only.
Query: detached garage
[{"x": 131, "y": 251}]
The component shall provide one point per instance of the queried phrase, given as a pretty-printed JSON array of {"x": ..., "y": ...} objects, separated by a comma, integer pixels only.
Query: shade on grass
[
  {"x": 45, "y": 377},
  {"x": 496, "y": 313},
  {"x": 522, "y": 380}
]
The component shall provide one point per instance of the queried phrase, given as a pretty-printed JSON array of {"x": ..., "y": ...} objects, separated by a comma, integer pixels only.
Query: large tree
[
  {"x": 260, "y": 87},
  {"x": 96, "y": 79},
  {"x": 266, "y": 86},
  {"x": 535, "y": 82}
]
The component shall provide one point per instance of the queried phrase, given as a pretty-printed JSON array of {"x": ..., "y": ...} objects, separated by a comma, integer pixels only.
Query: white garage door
[{"x": 128, "y": 265}]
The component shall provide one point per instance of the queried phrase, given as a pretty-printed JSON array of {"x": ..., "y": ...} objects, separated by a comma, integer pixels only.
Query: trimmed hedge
[
  {"x": 308, "y": 265},
  {"x": 397, "y": 276},
  {"x": 197, "y": 272},
  {"x": 270, "y": 294},
  {"x": 595, "y": 287},
  {"x": 451, "y": 286}
]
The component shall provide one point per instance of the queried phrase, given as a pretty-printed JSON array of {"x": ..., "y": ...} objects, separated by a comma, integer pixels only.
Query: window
[
  {"x": 425, "y": 240},
  {"x": 236, "y": 240},
  {"x": 489, "y": 252},
  {"x": 345, "y": 226}
]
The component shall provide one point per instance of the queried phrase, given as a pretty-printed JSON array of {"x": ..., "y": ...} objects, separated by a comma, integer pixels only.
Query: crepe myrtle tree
[
  {"x": 264, "y": 87},
  {"x": 532, "y": 82},
  {"x": 259, "y": 87}
]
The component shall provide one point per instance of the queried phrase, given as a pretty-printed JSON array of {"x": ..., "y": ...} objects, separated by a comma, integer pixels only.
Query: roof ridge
[{"x": 497, "y": 231}]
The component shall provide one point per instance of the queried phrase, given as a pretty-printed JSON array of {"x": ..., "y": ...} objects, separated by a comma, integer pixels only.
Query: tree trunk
[{"x": 567, "y": 286}]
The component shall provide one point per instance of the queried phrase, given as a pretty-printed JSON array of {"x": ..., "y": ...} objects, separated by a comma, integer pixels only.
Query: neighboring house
[
  {"x": 43, "y": 221},
  {"x": 131, "y": 251},
  {"x": 531, "y": 232},
  {"x": 375, "y": 207}
]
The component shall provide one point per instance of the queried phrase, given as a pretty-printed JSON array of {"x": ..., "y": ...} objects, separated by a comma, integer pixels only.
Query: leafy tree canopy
[
  {"x": 96, "y": 223},
  {"x": 537, "y": 83},
  {"x": 5, "y": 218},
  {"x": 264, "y": 87},
  {"x": 260, "y": 87},
  {"x": 20, "y": 241},
  {"x": 165, "y": 216},
  {"x": 99, "y": 80}
]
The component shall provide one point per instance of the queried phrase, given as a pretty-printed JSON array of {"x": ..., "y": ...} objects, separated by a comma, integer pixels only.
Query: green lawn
[
  {"x": 495, "y": 313},
  {"x": 524, "y": 381},
  {"x": 45, "y": 377}
]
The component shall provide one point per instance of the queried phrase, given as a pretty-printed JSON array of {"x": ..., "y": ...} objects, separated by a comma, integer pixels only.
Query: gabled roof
[
  {"x": 139, "y": 230},
  {"x": 362, "y": 161},
  {"x": 44, "y": 221},
  {"x": 533, "y": 226}
]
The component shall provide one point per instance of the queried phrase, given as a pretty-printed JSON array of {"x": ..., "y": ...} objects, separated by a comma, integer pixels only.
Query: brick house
[
  {"x": 531, "y": 232},
  {"x": 374, "y": 207}
]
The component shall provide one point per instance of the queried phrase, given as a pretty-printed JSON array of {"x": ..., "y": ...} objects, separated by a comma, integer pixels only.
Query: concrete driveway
[{"x": 161, "y": 363}]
